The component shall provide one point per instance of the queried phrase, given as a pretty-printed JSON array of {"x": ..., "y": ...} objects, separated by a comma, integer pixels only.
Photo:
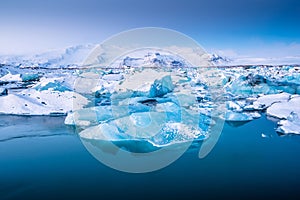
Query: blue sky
[{"x": 242, "y": 27}]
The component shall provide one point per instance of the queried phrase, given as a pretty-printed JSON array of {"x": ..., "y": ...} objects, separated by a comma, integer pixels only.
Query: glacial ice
[
  {"x": 173, "y": 94},
  {"x": 231, "y": 116},
  {"x": 30, "y": 77},
  {"x": 47, "y": 102},
  {"x": 11, "y": 78},
  {"x": 3, "y": 91},
  {"x": 234, "y": 106},
  {"x": 282, "y": 110},
  {"x": 161, "y": 87},
  {"x": 104, "y": 131},
  {"x": 266, "y": 101},
  {"x": 55, "y": 84},
  {"x": 113, "y": 77},
  {"x": 150, "y": 126},
  {"x": 291, "y": 125}
]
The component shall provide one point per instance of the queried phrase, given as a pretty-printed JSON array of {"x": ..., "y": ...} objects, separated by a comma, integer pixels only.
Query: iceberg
[
  {"x": 231, "y": 105},
  {"x": 113, "y": 77},
  {"x": 104, "y": 131},
  {"x": 30, "y": 77},
  {"x": 240, "y": 117},
  {"x": 8, "y": 78},
  {"x": 161, "y": 87},
  {"x": 248, "y": 85},
  {"x": 289, "y": 126},
  {"x": 47, "y": 102},
  {"x": 173, "y": 133},
  {"x": 150, "y": 127},
  {"x": 283, "y": 109},
  {"x": 266, "y": 101}
]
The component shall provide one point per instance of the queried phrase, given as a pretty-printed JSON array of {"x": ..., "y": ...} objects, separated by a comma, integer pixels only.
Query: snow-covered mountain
[
  {"x": 73, "y": 57},
  {"x": 62, "y": 58},
  {"x": 219, "y": 60}
]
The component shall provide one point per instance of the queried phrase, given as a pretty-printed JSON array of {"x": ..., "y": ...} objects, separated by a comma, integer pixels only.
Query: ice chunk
[
  {"x": 141, "y": 125},
  {"x": 105, "y": 131},
  {"x": 172, "y": 133},
  {"x": 282, "y": 110},
  {"x": 169, "y": 107},
  {"x": 266, "y": 101},
  {"x": 162, "y": 135},
  {"x": 30, "y": 77},
  {"x": 33, "y": 102},
  {"x": 113, "y": 77},
  {"x": 233, "y": 106},
  {"x": 238, "y": 117},
  {"x": 95, "y": 115},
  {"x": 10, "y": 78},
  {"x": 250, "y": 85},
  {"x": 55, "y": 84},
  {"x": 88, "y": 116},
  {"x": 185, "y": 100},
  {"x": 3, "y": 91},
  {"x": 161, "y": 87},
  {"x": 72, "y": 119},
  {"x": 289, "y": 126},
  {"x": 140, "y": 81}
]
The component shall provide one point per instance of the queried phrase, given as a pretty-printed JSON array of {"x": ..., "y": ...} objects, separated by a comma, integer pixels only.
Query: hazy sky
[{"x": 241, "y": 26}]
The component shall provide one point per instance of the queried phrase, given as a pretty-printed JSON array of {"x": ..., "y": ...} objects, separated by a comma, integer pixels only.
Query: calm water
[{"x": 42, "y": 158}]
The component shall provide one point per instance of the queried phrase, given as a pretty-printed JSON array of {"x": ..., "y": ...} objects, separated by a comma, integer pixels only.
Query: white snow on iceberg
[
  {"x": 282, "y": 110},
  {"x": 47, "y": 102}
]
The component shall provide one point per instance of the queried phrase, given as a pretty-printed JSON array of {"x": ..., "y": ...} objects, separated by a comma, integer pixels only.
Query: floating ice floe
[
  {"x": 60, "y": 84},
  {"x": 113, "y": 77},
  {"x": 231, "y": 116},
  {"x": 283, "y": 109},
  {"x": 289, "y": 126},
  {"x": 288, "y": 111},
  {"x": 46, "y": 102},
  {"x": 26, "y": 77},
  {"x": 266, "y": 101},
  {"x": 145, "y": 126},
  {"x": 234, "y": 106},
  {"x": 11, "y": 78}
]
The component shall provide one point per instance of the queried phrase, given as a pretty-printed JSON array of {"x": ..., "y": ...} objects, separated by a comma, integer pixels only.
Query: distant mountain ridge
[{"x": 75, "y": 56}]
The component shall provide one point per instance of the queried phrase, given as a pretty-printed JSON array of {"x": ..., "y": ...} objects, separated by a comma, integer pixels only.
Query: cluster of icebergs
[
  {"x": 164, "y": 105},
  {"x": 158, "y": 110}
]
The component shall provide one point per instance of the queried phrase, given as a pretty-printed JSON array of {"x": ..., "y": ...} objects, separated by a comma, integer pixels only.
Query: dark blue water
[{"x": 43, "y": 159}]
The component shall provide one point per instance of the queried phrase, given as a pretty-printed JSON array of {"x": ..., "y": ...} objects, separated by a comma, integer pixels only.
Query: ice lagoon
[{"x": 45, "y": 109}]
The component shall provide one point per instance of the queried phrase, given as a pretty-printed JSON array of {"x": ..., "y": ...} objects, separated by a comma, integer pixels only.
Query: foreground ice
[
  {"x": 158, "y": 113},
  {"x": 288, "y": 112}
]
